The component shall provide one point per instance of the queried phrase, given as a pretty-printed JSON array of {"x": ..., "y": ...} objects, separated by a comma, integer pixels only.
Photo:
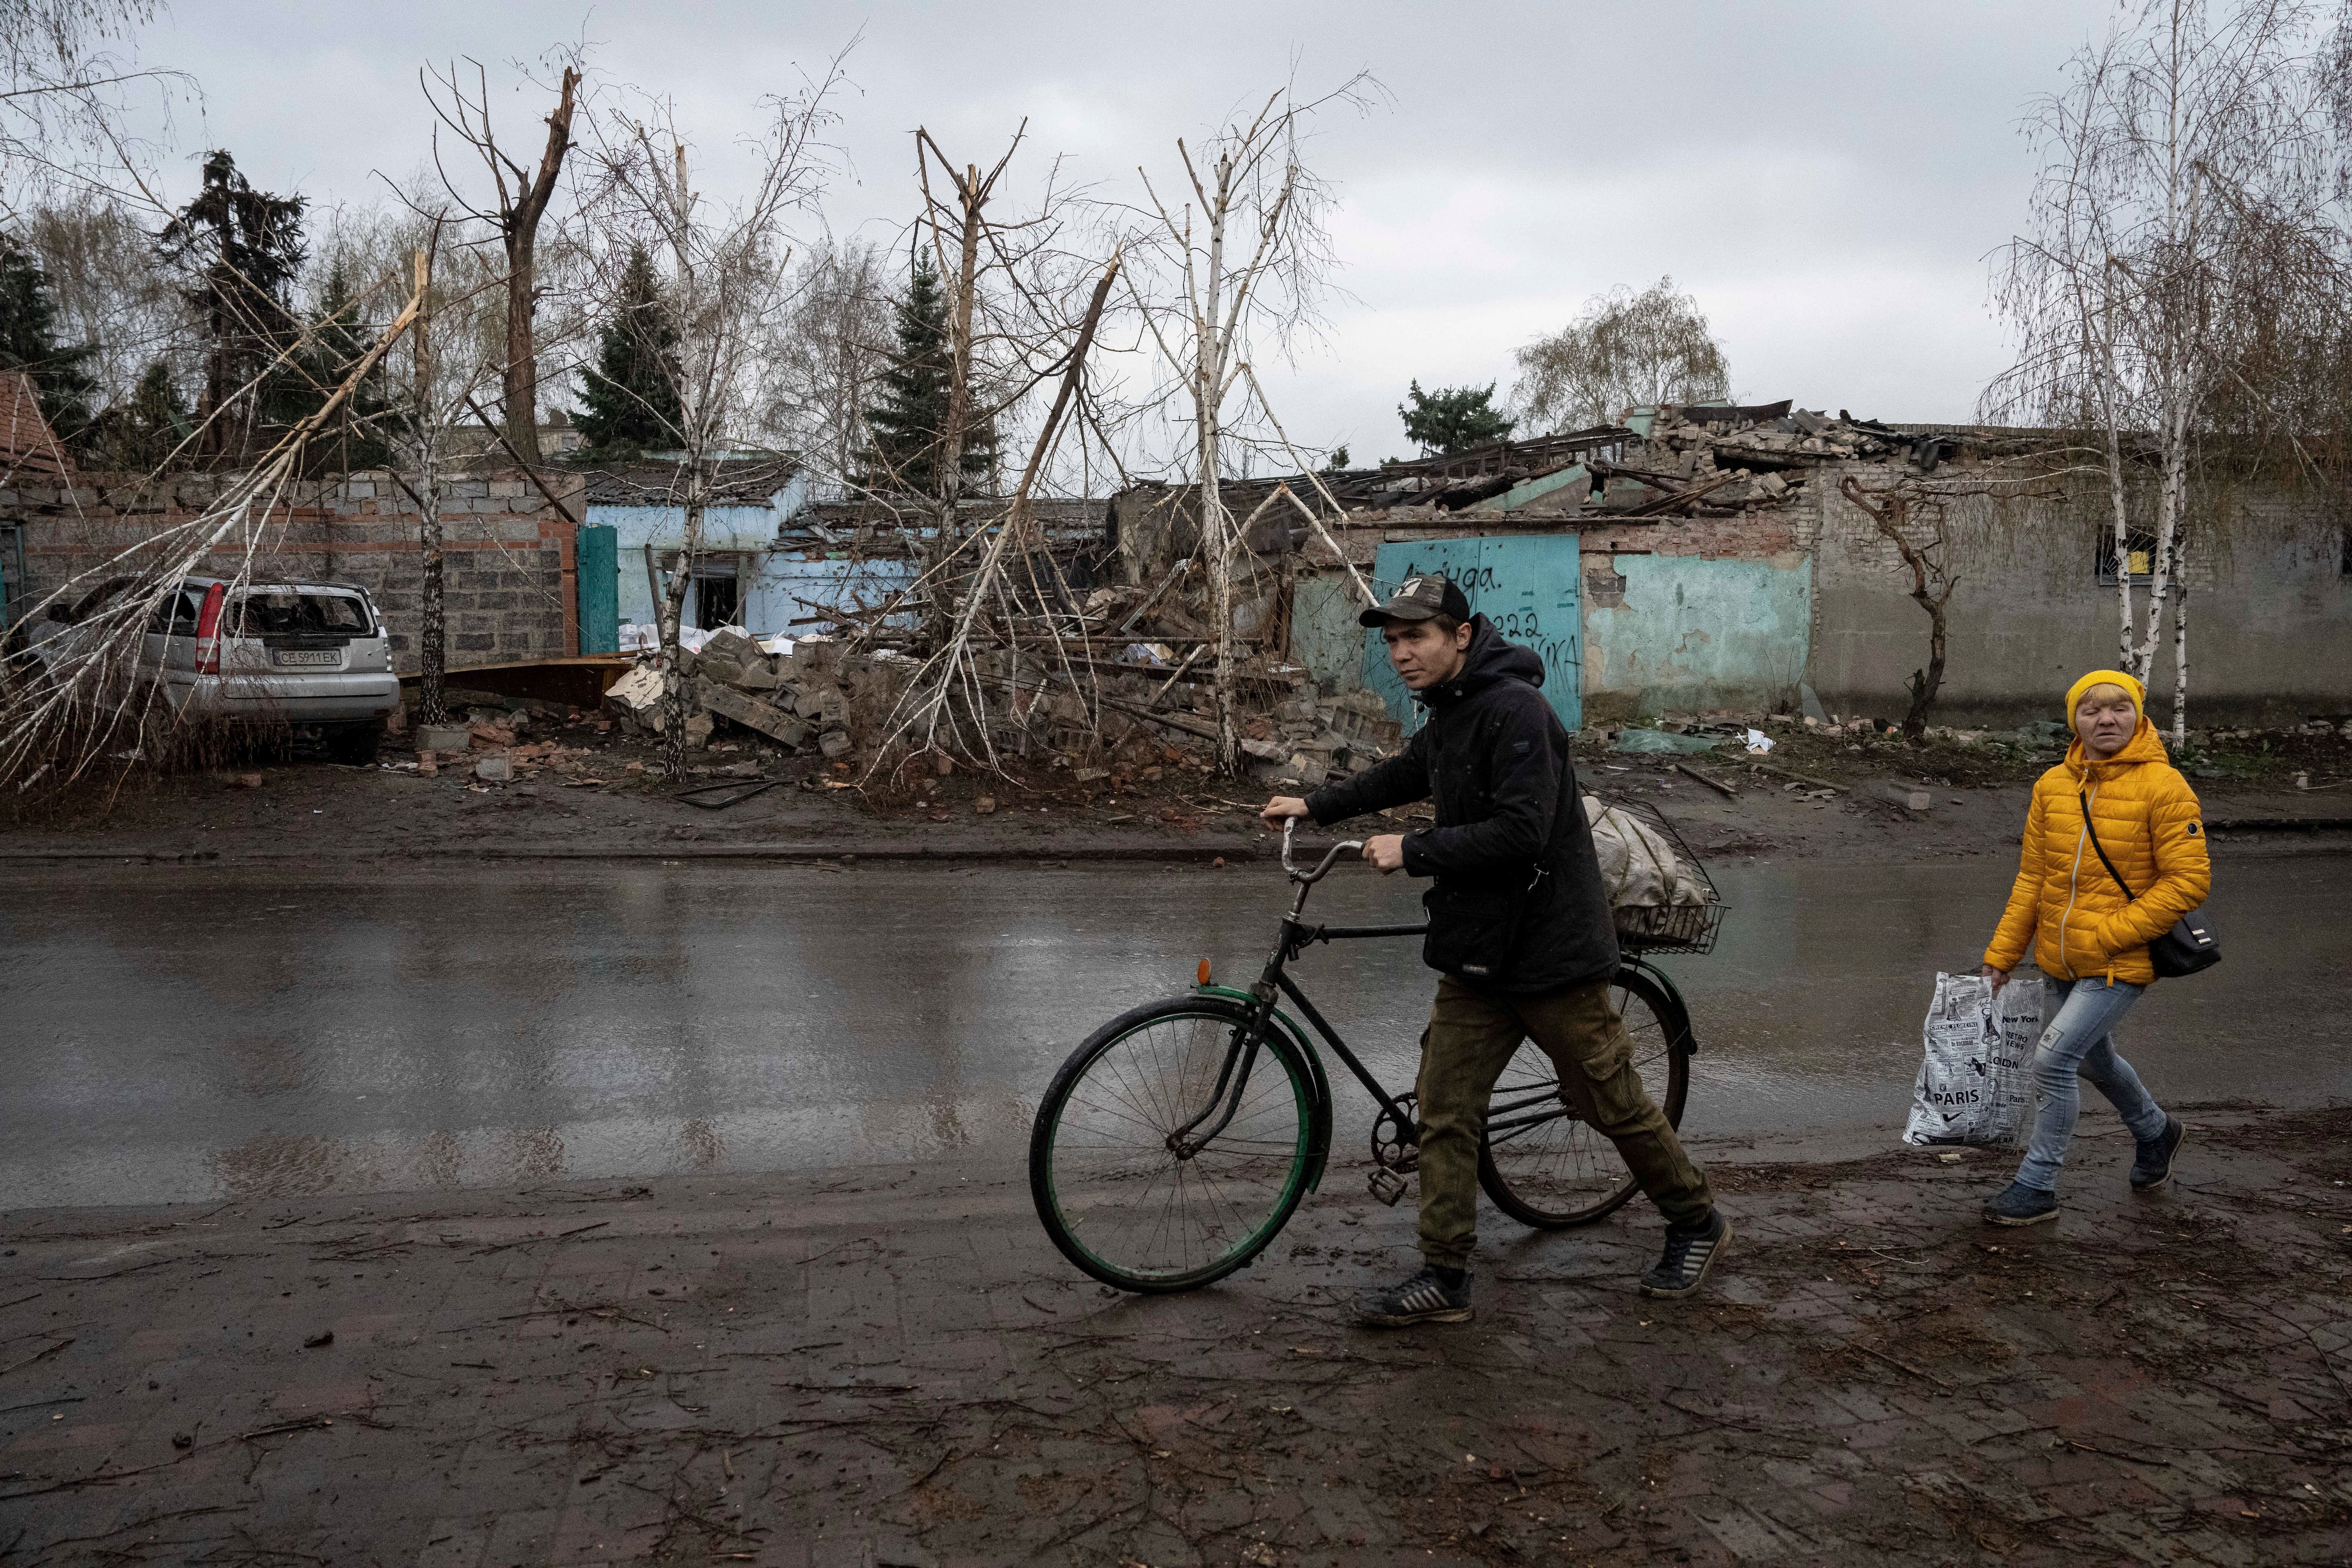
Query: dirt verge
[
  {"x": 588, "y": 794},
  {"x": 892, "y": 1366}
]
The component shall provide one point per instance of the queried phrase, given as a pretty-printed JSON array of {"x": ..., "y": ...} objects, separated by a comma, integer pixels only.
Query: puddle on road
[{"x": 185, "y": 1034}]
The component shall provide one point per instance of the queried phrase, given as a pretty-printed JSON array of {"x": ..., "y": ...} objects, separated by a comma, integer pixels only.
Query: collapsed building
[
  {"x": 1690, "y": 560},
  {"x": 1709, "y": 559}
]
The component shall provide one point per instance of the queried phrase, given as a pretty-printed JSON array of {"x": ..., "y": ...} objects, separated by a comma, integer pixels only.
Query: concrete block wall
[
  {"x": 509, "y": 592},
  {"x": 2270, "y": 636},
  {"x": 1689, "y": 615}
]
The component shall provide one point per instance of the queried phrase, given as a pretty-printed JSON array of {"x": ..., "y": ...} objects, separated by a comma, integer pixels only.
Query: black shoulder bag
[
  {"x": 1474, "y": 926},
  {"x": 2190, "y": 945}
]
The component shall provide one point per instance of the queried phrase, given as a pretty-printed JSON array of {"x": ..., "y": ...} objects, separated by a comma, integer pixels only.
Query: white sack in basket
[{"x": 1638, "y": 867}]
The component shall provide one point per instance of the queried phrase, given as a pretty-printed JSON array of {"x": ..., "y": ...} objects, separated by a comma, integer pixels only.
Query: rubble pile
[
  {"x": 1693, "y": 462},
  {"x": 1307, "y": 742},
  {"x": 800, "y": 699}
]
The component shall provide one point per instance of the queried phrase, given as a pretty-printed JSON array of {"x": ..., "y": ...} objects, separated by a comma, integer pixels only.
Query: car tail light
[{"x": 209, "y": 638}]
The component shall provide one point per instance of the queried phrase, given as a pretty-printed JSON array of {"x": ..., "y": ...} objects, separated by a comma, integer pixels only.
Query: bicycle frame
[{"x": 1274, "y": 981}]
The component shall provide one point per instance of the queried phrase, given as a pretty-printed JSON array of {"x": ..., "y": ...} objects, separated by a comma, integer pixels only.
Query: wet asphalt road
[{"x": 171, "y": 1033}]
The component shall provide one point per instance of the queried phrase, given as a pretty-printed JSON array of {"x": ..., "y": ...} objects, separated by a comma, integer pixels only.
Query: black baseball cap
[{"x": 1419, "y": 598}]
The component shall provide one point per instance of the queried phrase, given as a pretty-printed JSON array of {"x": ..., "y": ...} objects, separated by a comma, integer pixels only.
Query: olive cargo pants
[{"x": 1470, "y": 1040}]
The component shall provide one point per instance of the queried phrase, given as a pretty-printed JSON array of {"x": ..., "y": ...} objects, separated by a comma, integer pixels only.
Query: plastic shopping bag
[{"x": 1975, "y": 1082}]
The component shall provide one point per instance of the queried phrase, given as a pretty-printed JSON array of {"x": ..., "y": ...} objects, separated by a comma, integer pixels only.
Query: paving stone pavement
[{"x": 894, "y": 1367}]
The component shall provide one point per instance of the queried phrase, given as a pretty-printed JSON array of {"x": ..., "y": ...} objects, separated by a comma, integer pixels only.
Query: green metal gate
[{"x": 596, "y": 565}]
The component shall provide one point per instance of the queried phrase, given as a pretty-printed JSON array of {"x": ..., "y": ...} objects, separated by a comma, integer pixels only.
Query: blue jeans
[{"x": 2078, "y": 1042}]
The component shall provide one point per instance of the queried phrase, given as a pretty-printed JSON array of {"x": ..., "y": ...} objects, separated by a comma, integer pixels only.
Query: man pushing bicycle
[{"x": 1521, "y": 929}]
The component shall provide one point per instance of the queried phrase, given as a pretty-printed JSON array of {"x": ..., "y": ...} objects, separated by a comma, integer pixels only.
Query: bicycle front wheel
[
  {"x": 1545, "y": 1166},
  {"x": 1117, "y": 1180}
]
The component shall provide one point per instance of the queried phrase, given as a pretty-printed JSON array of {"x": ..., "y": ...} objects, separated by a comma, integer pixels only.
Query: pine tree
[
  {"x": 632, "y": 392},
  {"x": 354, "y": 438},
  {"x": 29, "y": 342},
  {"x": 909, "y": 420},
  {"x": 247, "y": 248},
  {"x": 139, "y": 435},
  {"x": 1455, "y": 418}
]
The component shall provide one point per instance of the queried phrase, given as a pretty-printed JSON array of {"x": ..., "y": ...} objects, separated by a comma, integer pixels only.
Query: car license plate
[{"x": 286, "y": 656}]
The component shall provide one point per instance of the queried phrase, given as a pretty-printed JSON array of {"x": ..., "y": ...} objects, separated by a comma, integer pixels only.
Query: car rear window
[{"x": 289, "y": 612}]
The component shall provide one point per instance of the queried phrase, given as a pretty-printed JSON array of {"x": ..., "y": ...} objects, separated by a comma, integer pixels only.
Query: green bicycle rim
[{"x": 1235, "y": 1256}]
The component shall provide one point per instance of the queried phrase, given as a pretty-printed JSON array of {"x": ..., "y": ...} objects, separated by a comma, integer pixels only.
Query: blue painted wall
[
  {"x": 1324, "y": 635},
  {"x": 1694, "y": 634},
  {"x": 1528, "y": 587},
  {"x": 724, "y": 528},
  {"x": 778, "y": 587}
]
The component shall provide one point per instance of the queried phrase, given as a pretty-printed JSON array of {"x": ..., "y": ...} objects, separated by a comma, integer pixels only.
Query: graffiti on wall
[{"x": 1526, "y": 586}]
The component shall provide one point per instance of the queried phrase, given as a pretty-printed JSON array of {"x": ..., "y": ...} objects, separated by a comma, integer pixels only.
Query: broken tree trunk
[{"x": 431, "y": 633}]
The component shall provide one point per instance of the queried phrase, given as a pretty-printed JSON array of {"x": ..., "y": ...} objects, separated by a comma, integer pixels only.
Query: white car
[{"x": 311, "y": 657}]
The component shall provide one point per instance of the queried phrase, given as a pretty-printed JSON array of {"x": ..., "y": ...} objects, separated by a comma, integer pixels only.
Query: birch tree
[
  {"x": 1242, "y": 255},
  {"x": 726, "y": 289},
  {"x": 448, "y": 372},
  {"x": 2185, "y": 148},
  {"x": 834, "y": 350},
  {"x": 71, "y": 89}
]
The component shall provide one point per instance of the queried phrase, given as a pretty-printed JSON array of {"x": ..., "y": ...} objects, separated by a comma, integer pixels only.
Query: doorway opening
[{"x": 718, "y": 601}]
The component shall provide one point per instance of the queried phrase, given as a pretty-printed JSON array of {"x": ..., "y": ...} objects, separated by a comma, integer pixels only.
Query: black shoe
[
  {"x": 2017, "y": 1203},
  {"x": 1691, "y": 1251},
  {"x": 1424, "y": 1298},
  {"x": 2152, "y": 1167}
]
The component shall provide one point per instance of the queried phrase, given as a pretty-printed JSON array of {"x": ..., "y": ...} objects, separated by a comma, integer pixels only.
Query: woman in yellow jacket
[{"x": 2089, "y": 937}]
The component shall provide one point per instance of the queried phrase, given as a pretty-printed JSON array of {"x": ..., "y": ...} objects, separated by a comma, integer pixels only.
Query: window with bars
[{"x": 2139, "y": 557}]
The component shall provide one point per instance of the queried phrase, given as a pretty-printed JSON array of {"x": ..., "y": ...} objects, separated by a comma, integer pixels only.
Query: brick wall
[{"x": 509, "y": 590}]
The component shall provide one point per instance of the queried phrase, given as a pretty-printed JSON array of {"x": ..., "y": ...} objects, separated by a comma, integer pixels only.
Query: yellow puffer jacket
[{"x": 2078, "y": 922}]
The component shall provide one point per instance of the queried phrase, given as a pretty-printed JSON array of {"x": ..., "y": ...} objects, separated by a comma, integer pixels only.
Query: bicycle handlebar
[{"x": 1289, "y": 826}]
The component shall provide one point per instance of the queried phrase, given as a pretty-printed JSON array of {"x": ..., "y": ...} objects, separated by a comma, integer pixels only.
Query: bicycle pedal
[{"x": 1387, "y": 1186}]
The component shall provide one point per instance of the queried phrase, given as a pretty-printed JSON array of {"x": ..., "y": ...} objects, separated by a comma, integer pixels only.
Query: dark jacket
[{"x": 1494, "y": 758}]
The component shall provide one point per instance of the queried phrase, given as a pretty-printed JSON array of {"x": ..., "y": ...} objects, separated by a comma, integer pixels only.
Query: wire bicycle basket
[{"x": 1668, "y": 928}]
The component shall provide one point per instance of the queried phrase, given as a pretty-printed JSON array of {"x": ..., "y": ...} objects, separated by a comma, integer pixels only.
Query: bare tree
[
  {"x": 2187, "y": 148},
  {"x": 728, "y": 292},
  {"x": 521, "y": 201},
  {"x": 835, "y": 345},
  {"x": 69, "y": 91},
  {"x": 111, "y": 294},
  {"x": 1623, "y": 349},
  {"x": 1912, "y": 516},
  {"x": 446, "y": 372},
  {"x": 951, "y": 680},
  {"x": 1242, "y": 261}
]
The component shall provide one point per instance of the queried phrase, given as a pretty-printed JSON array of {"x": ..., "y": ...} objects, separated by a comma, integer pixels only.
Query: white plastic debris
[{"x": 1759, "y": 743}]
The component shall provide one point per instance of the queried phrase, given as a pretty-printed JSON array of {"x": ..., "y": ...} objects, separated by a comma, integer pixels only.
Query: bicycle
[{"x": 1176, "y": 1141}]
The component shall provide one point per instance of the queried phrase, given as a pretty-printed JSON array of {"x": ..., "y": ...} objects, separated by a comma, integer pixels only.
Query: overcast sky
[{"x": 1827, "y": 178}]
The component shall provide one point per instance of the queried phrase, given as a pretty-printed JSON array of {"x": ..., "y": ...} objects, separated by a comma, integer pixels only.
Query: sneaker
[
  {"x": 1691, "y": 1251},
  {"x": 2017, "y": 1203},
  {"x": 1424, "y": 1298},
  {"x": 2152, "y": 1167}
]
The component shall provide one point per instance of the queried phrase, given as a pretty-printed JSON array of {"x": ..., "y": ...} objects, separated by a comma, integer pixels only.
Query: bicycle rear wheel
[
  {"x": 1545, "y": 1166},
  {"x": 1125, "y": 1206}
]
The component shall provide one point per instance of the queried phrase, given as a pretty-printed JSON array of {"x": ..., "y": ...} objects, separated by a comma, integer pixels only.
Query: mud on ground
[
  {"x": 893, "y": 1366},
  {"x": 587, "y": 792}
]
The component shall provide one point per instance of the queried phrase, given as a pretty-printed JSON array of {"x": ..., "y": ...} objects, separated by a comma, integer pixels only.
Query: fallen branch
[
  {"x": 1800, "y": 778},
  {"x": 1717, "y": 785}
]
